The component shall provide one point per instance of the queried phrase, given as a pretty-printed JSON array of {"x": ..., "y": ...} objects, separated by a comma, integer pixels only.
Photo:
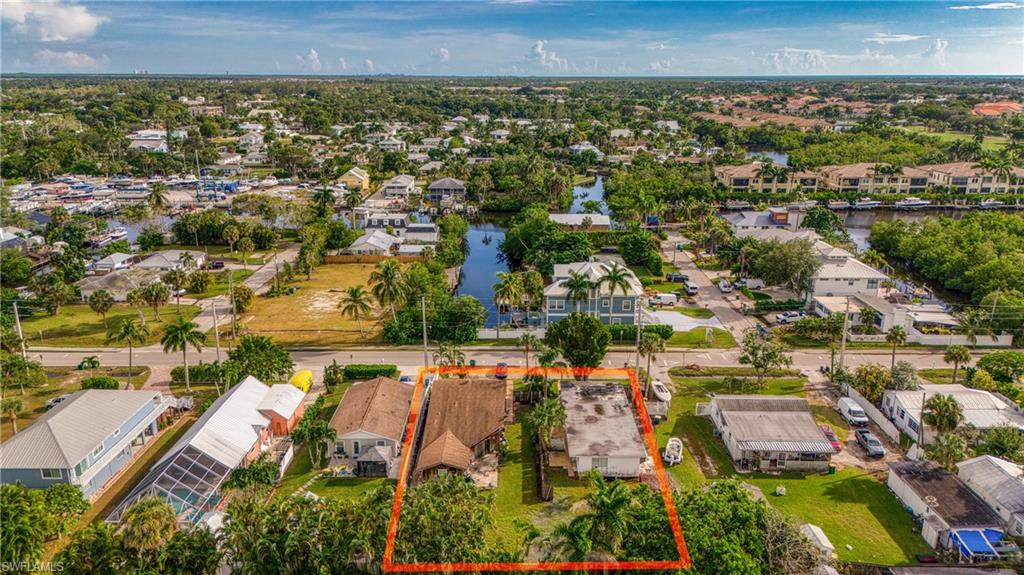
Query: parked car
[
  {"x": 501, "y": 372},
  {"x": 724, "y": 286},
  {"x": 216, "y": 265},
  {"x": 676, "y": 278},
  {"x": 851, "y": 412},
  {"x": 664, "y": 299},
  {"x": 179, "y": 292},
  {"x": 789, "y": 316},
  {"x": 405, "y": 379},
  {"x": 871, "y": 444},
  {"x": 691, "y": 288},
  {"x": 55, "y": 401},
  {"x": 831, "y": 436}
]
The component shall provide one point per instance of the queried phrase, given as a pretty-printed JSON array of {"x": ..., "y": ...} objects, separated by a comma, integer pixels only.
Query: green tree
[
  {"x": 323, "y": 202},
  {"x": 957, "y": 355},
  {"x": 571, "y": 539},
  {"x": 137, "y": 299},
  {"x": 193, "y": 551},
  {"x": 948, "y": 450},
  {"x": 763, "y": 354},
  {"x": 176, "y": 280},
  {"x": 90, "y": 362},
  {"x": 231, "y": 235},
  {"x": 96, "y": 548},
  {"x": 199, "y": 281},
  {"x": 443, "y": 519},
  {"x": 156, "y": 295},
  {"x": 651, "y": 344},
  {"x": 261, "y": 357},
  {"x": 546, "y": 416},
  {"x": 260, "y": 473},
  {"x": 243, "y": 296},
  {"x": 66, "y": 504},
  {"x": 20, "y": 371},
  {"x": 132, "y": 333},
  {"x": 179, "y": 336},
  {"x": 388, "y": 285},
  {"x": 355, "y": 304},
  {"x": 903, "y": 376},
  {"x": 100, "y": 382},
  {"x": 608, "y": 512},
  {"x": 508, "y": 292},
  {"x": 528, "y": 342},
  {"x": 157, "y": 198},
  {"x": 11, "y": 407},
  {"x": 1004, "y": 366},
  {"x": 15, "y": 268},
  {"x": 25, "y": 524},
  {"x": 616, "y": 278},
  {"x": 449, "y": 355},
  {"x": 870, "y": 380},
  {"x": 943, "y": 413},
  {"x": 101, "y": 302},
  {"x": 245, "y": 249},
  {"x": 51, "y": 289},
  {"x": 582, "y": 340},
  {"x": 896, "y": 337},
  {"x": 1005, "y": 442},
  {"x": 869, "y": 317},
  {"x": 147, "y": 525},
  {"x": 578, "y": 289}
]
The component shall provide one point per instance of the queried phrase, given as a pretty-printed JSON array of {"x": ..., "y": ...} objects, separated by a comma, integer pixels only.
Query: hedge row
[
  {"x": 627, "y": 333},
  {"x": 370, "y": 371},
  {"x": 762, "y": 306}
]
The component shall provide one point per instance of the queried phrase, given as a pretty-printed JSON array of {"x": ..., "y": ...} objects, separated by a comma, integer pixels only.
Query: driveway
[{"x": 682, "y": 322}]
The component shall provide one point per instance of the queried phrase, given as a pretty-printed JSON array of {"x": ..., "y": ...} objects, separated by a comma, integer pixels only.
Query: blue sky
[{"x": 515, "y": 37}]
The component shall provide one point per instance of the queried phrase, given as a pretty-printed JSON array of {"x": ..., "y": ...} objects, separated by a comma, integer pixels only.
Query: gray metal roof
[
  {"x": 772, "y": 403},
  {"x": 67, "y": 433},
  {"x": 996, "y": 480},
  {"x": 947, "y": 496}
]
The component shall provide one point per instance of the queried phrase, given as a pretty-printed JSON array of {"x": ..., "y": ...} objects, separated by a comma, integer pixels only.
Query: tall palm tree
[
  {"x": 896, "y": 337},
  {"x": 388, "y": 285},
  {"x": 572, "y": 539},
  {"x": 11, "y": 407},
  {"x": 547, "y": 358},
  {"x": 157, "y": 198},
  {"x": 650, "y": 345},
  {"x": 943, "y": 413},
  {"x": 323, "y": 199},
  {"x": 132, "y": 333},
  {"x": 148, "y": 524},
  {"x": 179, "y": 336},
  {"x": 546, "y": 416},
  {"x": 91, "y": 362},
  {"x": 528, "y": 342},
  {"x": 975, "y": 322},
  {"x": 957, "y": 355},
  {"x": 578, "y": 288},
  {"x": 176, "y": 279},
  {"x": 616, "y": 277},
  {"x": 508, "y": 292},
  {"x": 352, "y": 199},
  {"x": 869, "y": 319},
  {"x": 356, "y": 305}
]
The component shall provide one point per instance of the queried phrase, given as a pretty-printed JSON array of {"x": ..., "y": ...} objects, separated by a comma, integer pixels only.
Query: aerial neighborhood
[{"x": 344, "y": 324}]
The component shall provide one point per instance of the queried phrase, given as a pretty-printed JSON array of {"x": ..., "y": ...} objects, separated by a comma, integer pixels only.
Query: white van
[
  {"x": 667, "y": 299},
  {"x": 690, "y": 287},
  {"x": 852, "y": 413}
]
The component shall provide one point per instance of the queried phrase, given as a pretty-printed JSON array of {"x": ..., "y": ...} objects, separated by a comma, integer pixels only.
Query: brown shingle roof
[
  {"x": 472, "y": 409},
  {"x": 379, "y": 406},
  {"x": 446, "y": 450}
]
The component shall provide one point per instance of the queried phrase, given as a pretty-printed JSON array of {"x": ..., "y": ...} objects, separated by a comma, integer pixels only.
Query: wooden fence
[{"x": 368, "y": 259}]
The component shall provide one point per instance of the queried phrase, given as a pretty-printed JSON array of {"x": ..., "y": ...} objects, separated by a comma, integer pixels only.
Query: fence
[
  {"x": 883, "y": 423},
  {"x": 528, "y": 396},
  {"x": 367, "y": 259}
]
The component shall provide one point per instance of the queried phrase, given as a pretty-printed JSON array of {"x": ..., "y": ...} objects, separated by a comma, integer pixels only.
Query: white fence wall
[
  {"x": 876, "y": 416},
  {"x": 1004, "y": 340}
]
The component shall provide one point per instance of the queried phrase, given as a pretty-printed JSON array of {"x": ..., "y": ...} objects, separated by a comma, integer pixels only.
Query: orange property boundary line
[{"x": 652, "y": 448}]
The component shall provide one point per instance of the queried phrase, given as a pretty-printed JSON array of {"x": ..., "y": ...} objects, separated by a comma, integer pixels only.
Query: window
[
  {"x": 912, "y": 424},
  {"x": 604, "y": 303},
  {"x": 381, "y": 443},
  {"x": 355, "y": 448},
  {"x": 872, "y": 284},
  {"x": 50, "y": 473},
  {"x": 98, "y": 450},
  {"x": 81, "y": 467},
  {"x": 902, "y": 413},
  {"x": 556, "y": 304},
  {"x": 627, "y": 304},
  {"x": 616, "y": 321},
  {"x": 600, "y": 463}
]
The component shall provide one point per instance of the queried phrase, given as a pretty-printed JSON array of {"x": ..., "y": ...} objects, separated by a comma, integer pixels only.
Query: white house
[
  {"x": 981, "y": 409},
  {"x": 1000, "y": 484},
  {"x": 402, "y": 186},
  {"x": 167, "y": 260},
  {"x": 375, "y": 243},
  {"x": 391, "y": 145},
  {"x": 600, "y": 429},
  {"x": 113, "y": 262},
  {"x": 370, "y": 422},
  {"x": 252, "y": 139},
  {"x": 582, "y": 221},
  {"x": 155, "y": 146}
]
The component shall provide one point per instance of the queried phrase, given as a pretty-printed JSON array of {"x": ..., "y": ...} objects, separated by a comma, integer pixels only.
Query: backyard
[
  {"x": 220, "y": 283},
  {"x": 310, "y": 316},
  {"x": 78, "y": 326}
]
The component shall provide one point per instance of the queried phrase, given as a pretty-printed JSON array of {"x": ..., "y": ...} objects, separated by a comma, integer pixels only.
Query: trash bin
[
  {"x": 472, "y": 363},
  {"x": 832, "y": 469}
]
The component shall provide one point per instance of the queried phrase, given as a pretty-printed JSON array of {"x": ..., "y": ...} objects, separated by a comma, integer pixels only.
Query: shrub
[
  {"x": 100, "y": 382},
  {"x": 764, "y": 306},
  {"x": 243, "y": 298},
  {"x": 627, "y": 333},
  {"x": 654, "y": 263},
  {"x": 200, "y": 373},
  {"x": 370, "y": 371}
]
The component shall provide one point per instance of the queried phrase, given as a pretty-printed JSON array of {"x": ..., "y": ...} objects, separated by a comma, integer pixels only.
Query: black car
[
  {"x": 216, "y": 265},
  {"x": 676, "y": 278}
]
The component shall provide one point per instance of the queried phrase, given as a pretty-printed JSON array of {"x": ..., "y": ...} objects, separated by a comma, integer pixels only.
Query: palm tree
[
  {"x": 546, "y": 416},
  {"x": 943, "y": 413},
  {"x": 133, "y": 333},
  {"x": 957, "y": 355},
  {"x": 246, "y": 247},
  {"x": 578, "y": 288},
  {"x": 101, "y": 302},
  {"x": 11, "y": 406},
  {"x": 91, "y": 362},
  {"x": 356, "y": 305},
  {"x": 508, "y": 292},
  {"x": 572, "y": 539},
  {"x": 526, "y": 342},
  {"x": 616, "y": 277},
  {"x": 650, "y": 345},
  {"x": 869, "y": 319},
  {"x": 231, "y": 234},
  {"x": 388, "y": 285},
  {"x": 609, "y": 512},
  {"x": 975, "y": 322},
  {"x": 148, "y": 524},
  {"x": 323, "y": 199},
  {"x": 178, "y": 337},
  {"x": 156, "y": 295},
  {"x": 176, "y": 279},
  {"x": 449, "y": 355},
  {"x": 948, "y": 450},
  {"x": 873, "y": 258},
  {"x": 352, "y": 199},
  {"x": 896, "y": 337},
  {"x": 157, "y": 198}
]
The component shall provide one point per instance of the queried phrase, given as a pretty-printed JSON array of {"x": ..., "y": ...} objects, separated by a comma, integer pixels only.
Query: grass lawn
[
  {"x": 310, "y": 316},
  {"x": 853, "y": 508},
  {"x": 301, "y": 468},
  {"x": 60, "y": 380},
  {"x": 989, "y": 144},
  {"x": 697, "y": 312},
  {"x": 220, "y": 283},
  {"x": 940, "y": 375},
  {"x": 697, "y": 337},
  {"x": 739, "y": 371},
  {"x": 78, "y": 326},
  {"x": 346, "y": 487},
  {"x": 798, "y": 341},
  {"x": 202, "y": 392}
]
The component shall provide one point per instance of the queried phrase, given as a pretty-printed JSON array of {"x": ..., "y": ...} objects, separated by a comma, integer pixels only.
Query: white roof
[
  {"x": 577, "y": 219},
  {"x": 995, "y": 480},
  {"x": 377, "y": 239},
  {"x": 594, "y": 271},
  {"x": 849, "y": 268},
  {"x": 115, "y": 258},
  {"x": 282, "y": 399},
  {"x": 982, "y": 409}
]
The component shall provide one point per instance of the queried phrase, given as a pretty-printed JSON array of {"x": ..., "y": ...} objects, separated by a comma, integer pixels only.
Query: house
[
  {"x": 425, "y": 233},
  {"x": 969, "y": 178},
  {"x": 375, "y": 243},
  {"x": 154, "y": 146},
  {"x": 252, "y": 139},
  {"x": 415, "y": 249},
  {"x": 500, "y": 135},
  {"x": 391, "y": 145},
  {"x": 1000, "y": 484},
  {"x": 996, "y": 109},
  {"x": 233, "y": 432},
  {"x": 228, "y": 159},
  {"x": 400, "y": 186},
  {"x": 283, "y": 406},
  {"x": 370, "y": 422},
  {"x": 624, "y": 306},
  {"x": 841, "y": 273},
  {"x": 85, "y": 440},
  {"x": 952, "y": 517},
  {"x": 396, "y": 222},
  {"x": 167, "y": 260},
  {"x": 446, "y": 188},
  {"x": 671, "y": 126},
  {"x": 431, "y": 167},
  {"x": 577, "y": 149},
  {"x": 620, "y": 133},
  {"x": 981, "y": 409},
  {"x": 600, "y": 429},
  {"x": 117, "y": 283},
  {"x": 465, "y": 422},
  {"x": 770, "y": 433},
  {"x": 582, "y": 221},
  {"x": 356, "y": 179},
  {"x": 17, "y": 239},
  {"x": 784, "y": 218},
  {"x": 113, "y": 262}
]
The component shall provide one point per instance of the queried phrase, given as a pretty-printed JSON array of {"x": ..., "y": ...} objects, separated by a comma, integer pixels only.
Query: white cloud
[
  {"x": 937, "y": 51},
  {"x": 660, "y": 66},
  {"x": 311, "y": 61},
  {"x": 660, "y": 46},
  {"x": 545, "y": 58},
  {"x": 343, "y": 64},
  {"x": 70, "y": 60},
  {"x": 52, "y": 21},
  {"x": 370, "y": 66},
  {"x": 990, "y": 6},
  {"x": 443, "y": 55},
  {"x": 804, "y": 60},
  {"x": 883, "y": 38}
]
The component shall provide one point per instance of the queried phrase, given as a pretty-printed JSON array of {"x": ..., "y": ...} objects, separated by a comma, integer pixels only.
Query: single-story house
[
  {"x": 426, "y": 233},
  {"x": 370, "y": 422},
  {"x": 154, "y": 146},
  {"x": 465, "y": 421},
  {"x": 1000, "y": 484},
  {"x": 582, "y": 221},
  {"x": 600, "y": 429},
  {"x": 233, "y": 432},
  {"x": 167, "y": 260},
  {"x": 952, "y": 517},
  {"x": 83, "y": 441},
  {"x": 624, "y": 306},
  {"x": 445, "y": 188},
  {"x": 113, "y": 262},
  {"x": 283, "y": 405},
  {"x": 981, "y": 409},
  {"x": 415, "y": 249},
  {"x": 770, "y": 433},
  {"x": 375, "y": 243},
  {"x": 117, "y": 283}
]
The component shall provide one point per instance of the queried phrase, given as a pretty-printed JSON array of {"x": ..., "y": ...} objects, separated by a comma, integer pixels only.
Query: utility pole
[
  {"x": 216, "y": 341},
  {"x": 231, "y": 297},
  {"x": 21, "y": 335},
  {"x": 842, "y": 345},
  {"x": 639, "y": 329},
  {"x": 423, "y": 315}
]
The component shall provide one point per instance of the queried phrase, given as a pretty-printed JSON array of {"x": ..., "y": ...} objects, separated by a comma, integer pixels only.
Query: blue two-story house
[
  {"x": 610, "y": 308},
  {"x": 83, "y": 441}
]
